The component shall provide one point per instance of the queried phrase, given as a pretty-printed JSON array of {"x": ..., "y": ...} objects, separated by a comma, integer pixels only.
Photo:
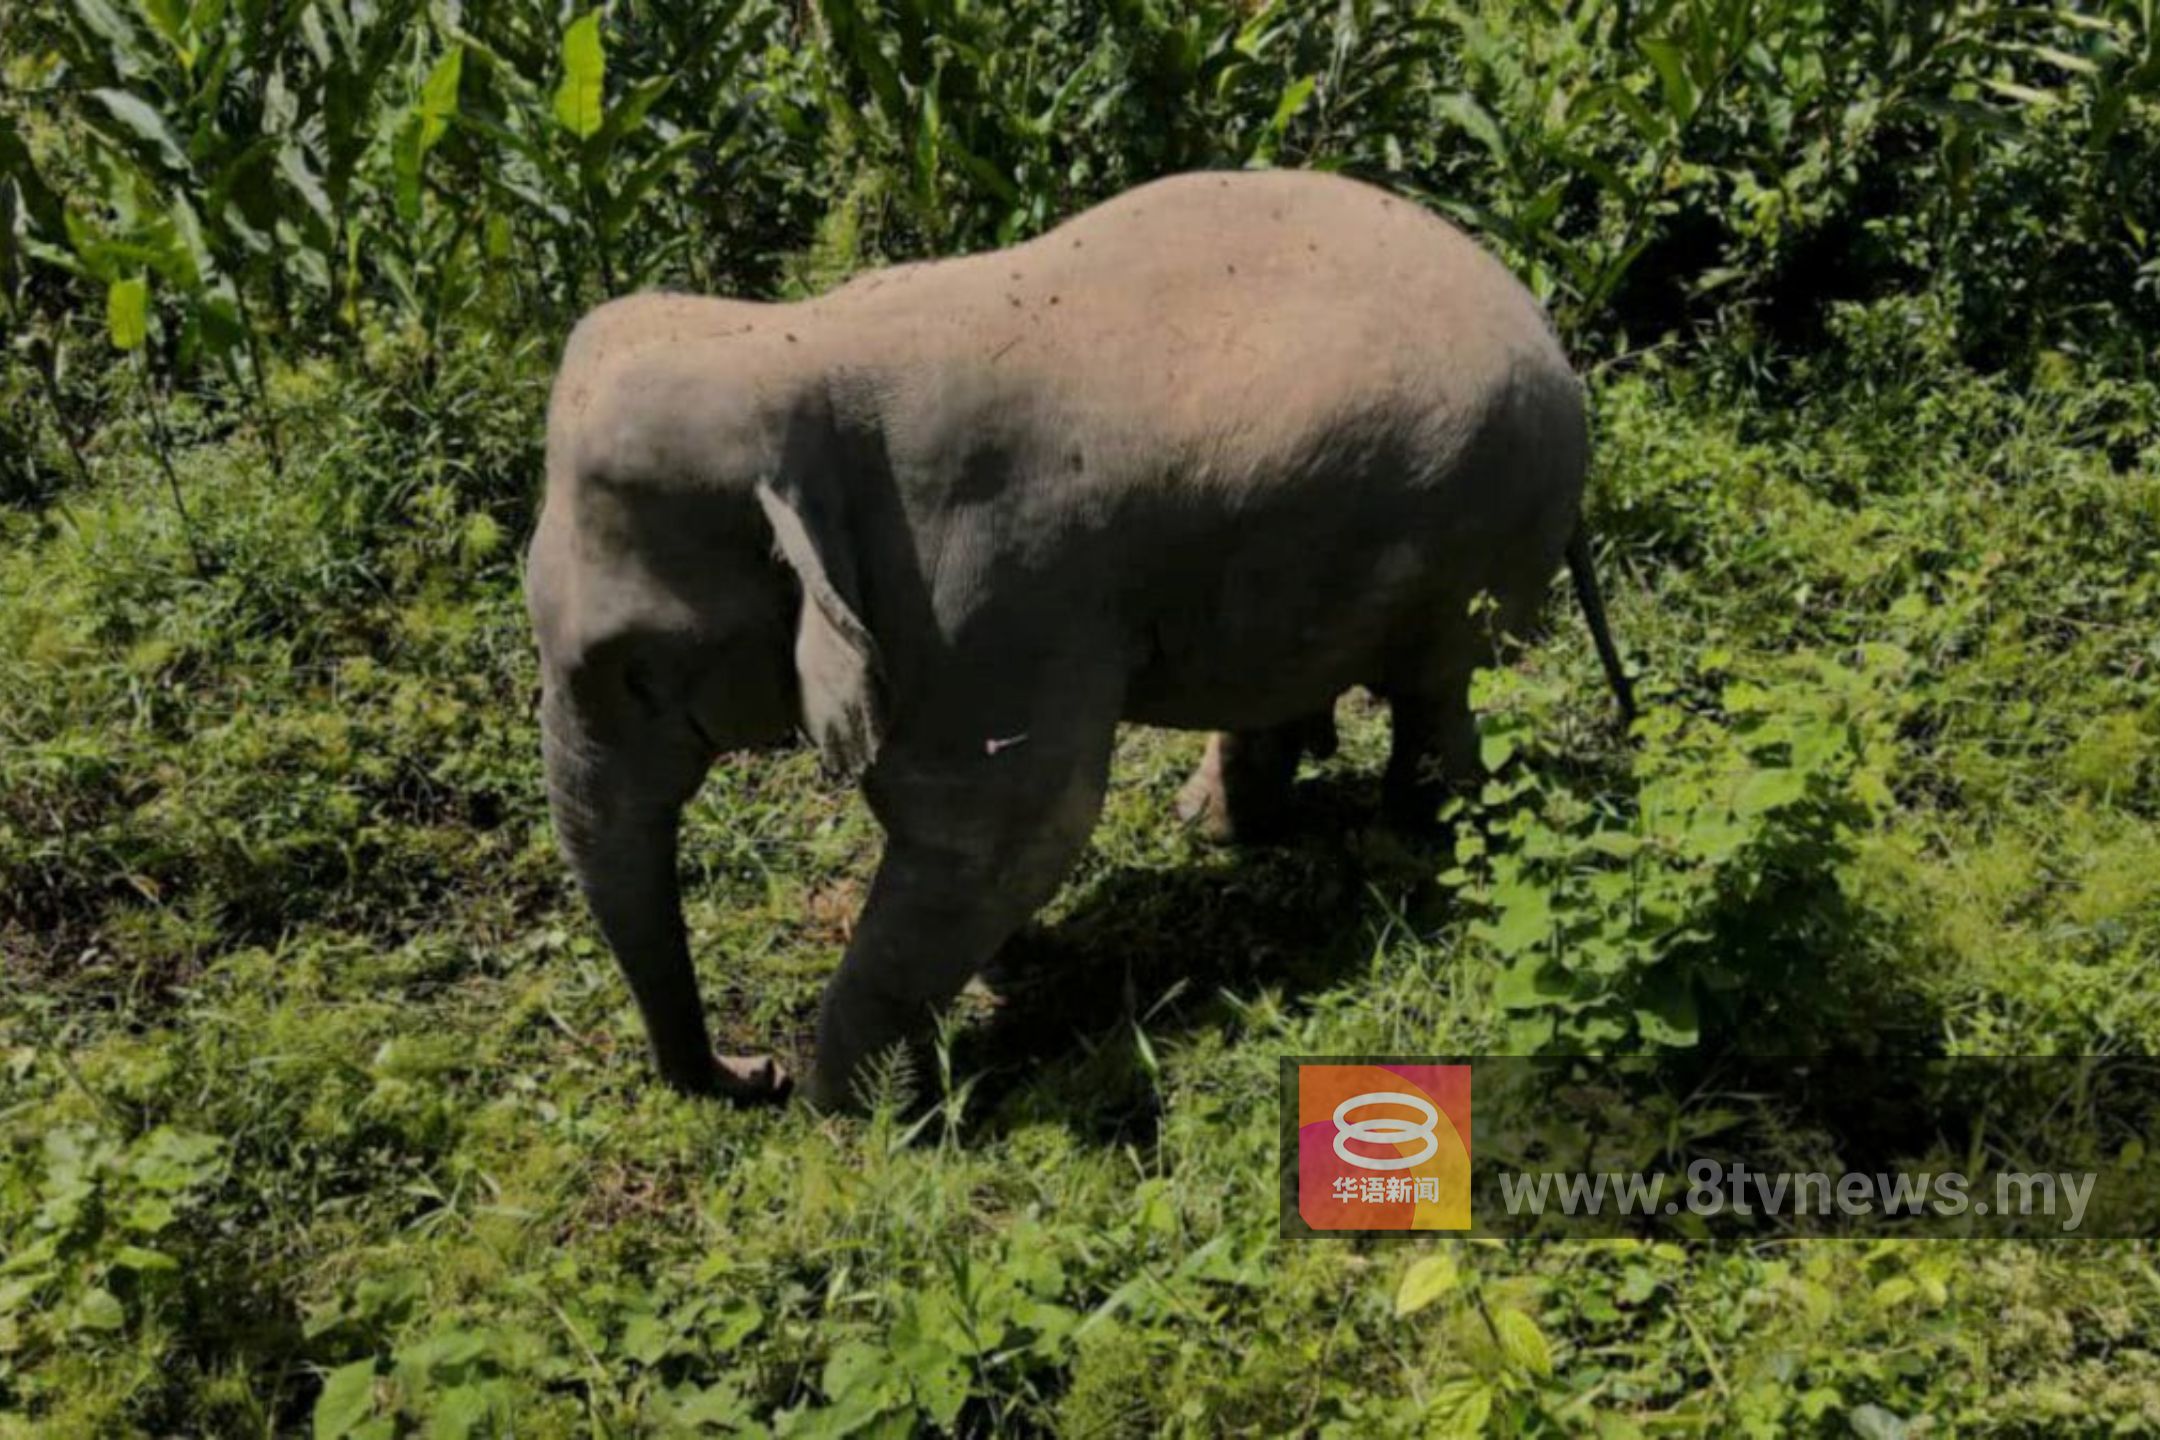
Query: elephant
[{"x": 1205, "y": 457}]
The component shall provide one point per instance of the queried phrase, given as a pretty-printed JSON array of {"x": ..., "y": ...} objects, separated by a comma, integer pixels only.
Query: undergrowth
[{"x": 325, "y": 1108}]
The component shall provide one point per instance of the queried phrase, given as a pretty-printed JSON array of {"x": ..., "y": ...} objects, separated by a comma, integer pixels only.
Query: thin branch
[
  {"x": 263, "y": 412},
  {"x": 162, "y": 443}
]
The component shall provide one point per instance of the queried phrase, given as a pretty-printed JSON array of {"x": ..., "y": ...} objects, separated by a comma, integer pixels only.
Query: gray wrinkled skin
[{"x": 1205, "y": 456}]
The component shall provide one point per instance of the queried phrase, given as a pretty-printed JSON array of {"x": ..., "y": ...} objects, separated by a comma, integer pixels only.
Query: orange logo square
[{"x": 1383, "y": 1147}]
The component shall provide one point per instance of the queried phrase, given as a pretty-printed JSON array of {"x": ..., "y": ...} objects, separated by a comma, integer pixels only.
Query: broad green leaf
[
  {"x": 1894, "y": 1292},
  {"x": 1532, "y": 983},
  {"x": 2107, "y": 117},
  {"x": 170, "y": 18},
  {"x": 1255, "y": 36},
  {"x": 135, "y": 1257},
  {"x": 990, "y": 177},
  {"x": 647, "y": 1339},
  {"x": 629, "y": 112},
  {"x": 1745, "y": 697},
  {"x": 407, "y": 156},
  {"x": 241, "y": 173},
  {"x": 193, "y": 250},
  {"x": 348, "y": 1397},
  {"x": 169, "y": 1159},
  {"x": 1671, "y": 66},
  {"x": 419, "y": 130},
  {"x": 1872, "y": 1422},
  {"x": 1650, "y": 125},
  {"x": 1525, "y": 919},
  {"x": 316, "y": 37},
  {"x": 2061, "y": 59},
  {"x": 929, "y": 127},
  {"x": 941, "y": 1388},
  {"x": 1475, "y": 121},
  {"x": 739, "y": 1319},
  {"x": 1294, "y": 99},
  {"x": 1462, "y": 1407},
  {"x": 140, "y": 118},
  {"x": 293, "y": 165},
  {"x": 216, "y": 308},
  {"x": 1969, "y": 113},
  {"x": 439, "y": 97},
  {"x": 1523, "y": 1343},
  {"x": 1046, "y": 122},
  {"x": 118, "y": 33},
  {"x": 584, "y": 61},
  {"x": 719, "y": 1406},
  {"x": 149, "y": 1215},
  {"x": 1424, "y": 1282},
  {"x": 127, "y": 312},
  {"x": 99, "y": 1310},
  {"x": 443, "y": 1355},
  {"x": 1768, "y": 790},
  {"x": 457, "y": 1413},
  {"x": 2023, "y": 94}
]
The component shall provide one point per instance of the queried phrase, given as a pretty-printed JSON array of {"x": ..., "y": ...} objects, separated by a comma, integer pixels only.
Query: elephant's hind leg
[
  {"x": 1433, "y": 752},
  {"x": 1241, "y": 790}
]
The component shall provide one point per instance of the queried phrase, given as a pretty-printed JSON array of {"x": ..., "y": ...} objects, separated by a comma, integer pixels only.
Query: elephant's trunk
[{"x": 616, "y": 810}]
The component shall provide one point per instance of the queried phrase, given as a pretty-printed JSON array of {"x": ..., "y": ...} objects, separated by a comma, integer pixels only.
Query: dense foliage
[{"x": 322, "y": 1109}]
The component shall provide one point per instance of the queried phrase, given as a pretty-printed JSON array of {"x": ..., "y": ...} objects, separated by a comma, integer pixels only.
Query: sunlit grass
[{"x": 279, "y": 879}]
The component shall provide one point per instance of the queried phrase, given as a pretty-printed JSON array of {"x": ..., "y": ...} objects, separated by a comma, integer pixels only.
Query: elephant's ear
[{"x": 836, "y": 661}]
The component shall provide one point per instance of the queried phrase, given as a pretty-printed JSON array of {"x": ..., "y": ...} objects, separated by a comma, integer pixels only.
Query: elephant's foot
[
  {"x": 749, "y": 1079},
  {"x": 1202, "y": 805},
  {"x": 1223, "y": 812},
  {"x": 1241, "y": 791}
]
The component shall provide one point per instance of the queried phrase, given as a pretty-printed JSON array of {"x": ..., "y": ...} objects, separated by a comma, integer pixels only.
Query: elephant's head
[{"x": 695, "y": 588}]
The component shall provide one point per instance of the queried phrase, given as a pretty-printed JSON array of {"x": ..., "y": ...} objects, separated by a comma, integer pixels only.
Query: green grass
[{"x": 323, "y": 1106}]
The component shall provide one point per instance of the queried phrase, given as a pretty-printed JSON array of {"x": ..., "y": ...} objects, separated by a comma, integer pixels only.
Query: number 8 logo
[{"x": 1386, "y": 1130}]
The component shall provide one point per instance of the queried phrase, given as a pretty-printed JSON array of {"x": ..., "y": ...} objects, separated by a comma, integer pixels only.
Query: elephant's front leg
[
  {"x": 973, "y": 850},
  {"x": 617, "y": 782}
]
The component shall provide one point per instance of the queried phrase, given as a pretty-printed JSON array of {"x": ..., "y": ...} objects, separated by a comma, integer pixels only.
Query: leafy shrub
[
  {"x": 96, "y": 1220},
  {"x": 1718, "y": 880}
]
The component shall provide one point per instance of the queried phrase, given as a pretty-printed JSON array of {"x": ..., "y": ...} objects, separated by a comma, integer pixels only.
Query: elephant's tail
[{"x": 1593, "y": 606}]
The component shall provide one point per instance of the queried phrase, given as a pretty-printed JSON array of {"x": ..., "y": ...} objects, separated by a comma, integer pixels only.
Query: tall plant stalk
[{"x": 162, "y": 444}]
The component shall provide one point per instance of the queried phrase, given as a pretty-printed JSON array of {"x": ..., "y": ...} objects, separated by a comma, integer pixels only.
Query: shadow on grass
[
  {"x": 1154, "y": 952},
  {"x": 1146, "y": 953}
]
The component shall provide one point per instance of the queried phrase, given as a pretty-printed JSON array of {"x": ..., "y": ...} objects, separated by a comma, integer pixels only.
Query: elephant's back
[
  {"x": 1260, "y": 311},
  {"x": 1236, "y": 411},
  {"x": 1212, "y": 238}
]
